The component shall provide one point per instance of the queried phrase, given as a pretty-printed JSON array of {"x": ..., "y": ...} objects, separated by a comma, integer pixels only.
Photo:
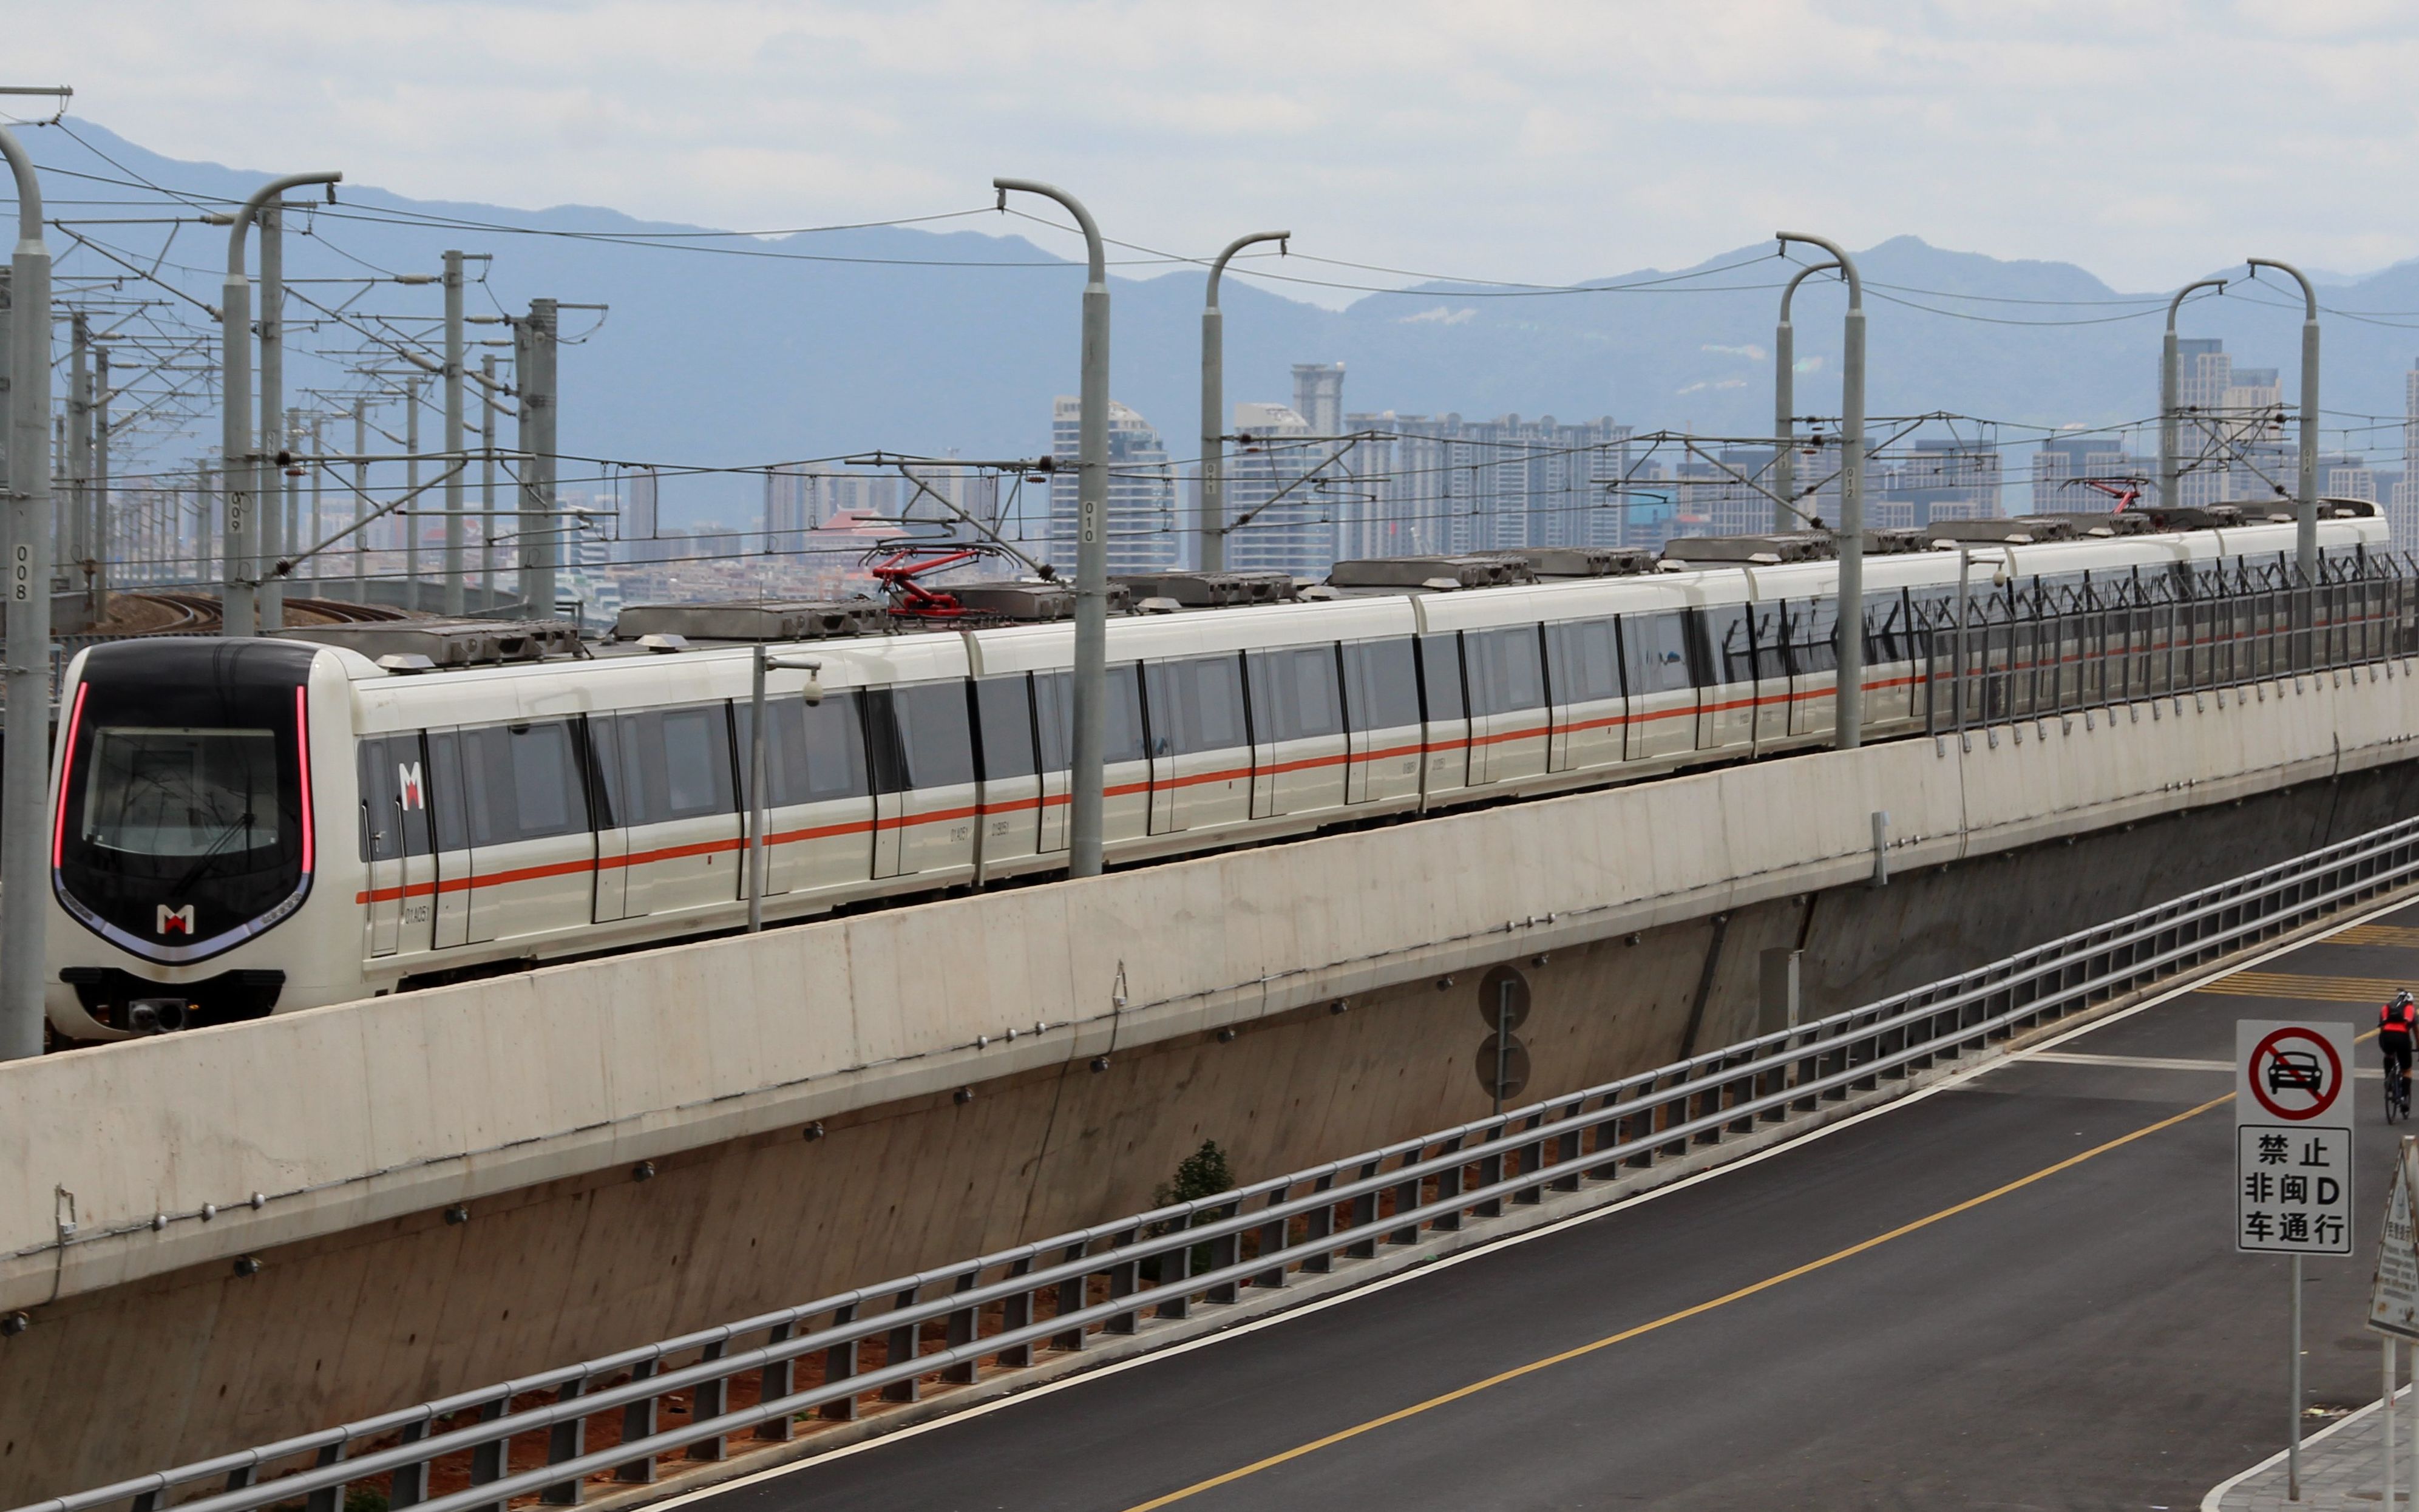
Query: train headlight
[{"x": 156, "y": 1015}]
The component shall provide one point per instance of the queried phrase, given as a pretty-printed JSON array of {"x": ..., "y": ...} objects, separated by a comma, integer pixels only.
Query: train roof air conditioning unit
[
  {"x": 444, "y": 644},
  {"x": 1752, "y": 551},
  {"x": 772, "y": 620},
  {"x": 1211, "y": 590},
  {"x": 1432, "y": 573},
  {"x": 1583, "y": 560}
]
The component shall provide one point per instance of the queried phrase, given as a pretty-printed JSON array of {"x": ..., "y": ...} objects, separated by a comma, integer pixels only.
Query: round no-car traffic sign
[{"x": 2295, "y": 1075}]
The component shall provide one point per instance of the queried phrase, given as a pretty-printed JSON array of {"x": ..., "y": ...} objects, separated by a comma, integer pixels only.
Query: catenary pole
[
  {"x": 1850, "y": 699},
  {"x": 533, "y": 370},
  {"x": 241, "y": 477},
  {"x": 454, "y": 457},
  {"x": 75, "y": 542},
  {"x": 1213, "y": 406},
  {"x": 290, "y": 539},
  {"x": 408, "y": 516},
  {"x": 318, "y": 478},
  {"x": 1784, "y": 403},
  {"x": 1091, "y": 540},
  {"x": 270, "y": 502},
  {"x": 2305, "y": 510},
  {"x": 358, "y": 544},
  {"x": 487, "y": 482},
  {"x": 2171, "y": 402},
  {"x": 100, "y": 484},
  {"x": 25, "y": 761}
]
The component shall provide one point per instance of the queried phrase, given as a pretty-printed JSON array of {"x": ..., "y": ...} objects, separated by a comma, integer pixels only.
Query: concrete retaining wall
[{"x": 532, "y": 1097}]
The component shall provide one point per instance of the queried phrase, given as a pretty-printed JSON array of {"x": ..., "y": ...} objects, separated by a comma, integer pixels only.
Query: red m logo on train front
[{"x": 175, "y": 920}]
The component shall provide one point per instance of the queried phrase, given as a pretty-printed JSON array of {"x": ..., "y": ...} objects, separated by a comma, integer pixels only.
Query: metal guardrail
[{"x": 832, "y": 1357}]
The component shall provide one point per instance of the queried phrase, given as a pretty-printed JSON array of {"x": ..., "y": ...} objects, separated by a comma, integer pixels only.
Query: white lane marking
[
  {"x": 2079, "y": 1057},
  {"x": 1082, "y": 1378}
]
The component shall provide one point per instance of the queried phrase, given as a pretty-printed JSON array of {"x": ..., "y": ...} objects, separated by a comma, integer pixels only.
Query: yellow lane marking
[
  {"x": 2369, "y": 990},
  {"x": 2377, "y": 934},
  {"x": 1668, "y": 1318}
]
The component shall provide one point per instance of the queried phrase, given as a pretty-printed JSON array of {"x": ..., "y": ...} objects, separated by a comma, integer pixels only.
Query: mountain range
[{"x": 723, "y": 353}]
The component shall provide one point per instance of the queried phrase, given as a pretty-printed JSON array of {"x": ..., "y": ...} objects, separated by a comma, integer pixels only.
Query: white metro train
[{"x": 248, "y": 826}]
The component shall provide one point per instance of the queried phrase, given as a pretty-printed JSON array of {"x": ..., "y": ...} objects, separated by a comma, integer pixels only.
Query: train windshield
[
  {"x": 183, "y": 792},
  {"x": 183, "y": 824}
]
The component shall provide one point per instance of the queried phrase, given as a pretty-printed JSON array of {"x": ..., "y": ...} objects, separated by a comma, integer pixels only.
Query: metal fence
[
  {"x": 758, "y": 1378},
  {"x": 2060, "y": 650}
]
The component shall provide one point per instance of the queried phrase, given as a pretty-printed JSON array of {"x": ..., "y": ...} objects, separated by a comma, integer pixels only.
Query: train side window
[
  {"x": 1813, "y": 646},
  {"x": 1440, "y": 689},
  {"x": 1122, "y": 734},
  {"x": 1004, "y": 721},
  {"x": 1655, "y": 652},
  {"x": 1197, "y": 704},
  {"x": 1506, "y": 672},
  {"x": 1053, "y": 698},
  {"x": 1719, "y": 650},
  {"x": 1381, "y": 683},
  {"x": 445, "y": 789},
  {"x": 1294, "y": 693},
  {"x": 1585, "y": 661},
  {"x": 675, "y": 764},
  {"x": 827, "y": 761},
  {"x": 523, "y": 782},
  {"x": 936, "y": 736},
  {"x": 381, "y": 838},
  {"x": 394, "y": 790}
]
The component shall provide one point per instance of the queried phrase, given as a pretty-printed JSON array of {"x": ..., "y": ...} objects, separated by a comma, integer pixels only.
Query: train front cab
[{"x": 189, "y": 880}]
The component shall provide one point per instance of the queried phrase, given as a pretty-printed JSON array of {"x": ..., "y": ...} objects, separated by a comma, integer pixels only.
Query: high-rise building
[
  {"x": 642, "y": 514},
  {"x": 2402, "y": 510},
  {"x": 1280, "y": 493},
  {"x": 1319, "y": 396},
  {"x": 1422, "y": 484},
  {"x": 1143, "y": 535},
  {"x": 2231, "y": 425},
  {"x": 2063, "y": 462}
]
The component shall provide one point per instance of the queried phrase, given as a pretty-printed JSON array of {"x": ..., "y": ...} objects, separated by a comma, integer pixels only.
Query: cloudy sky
[{"x": 1545, "y": 140}]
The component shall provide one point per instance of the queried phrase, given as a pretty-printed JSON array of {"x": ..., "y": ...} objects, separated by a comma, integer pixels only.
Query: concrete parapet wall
[{"x": 351, "y": 1114}]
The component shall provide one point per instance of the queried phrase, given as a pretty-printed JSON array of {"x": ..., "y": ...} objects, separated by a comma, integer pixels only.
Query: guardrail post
[
  {"x": 1532, "y": 1162},
  {"x": 711, "y": 1400},
  {"x": 779, "y": 1379},
  {"x": 407, "y": 1486},
  {"x": 487, "y": 1459},
  {"x": 1071, "y": 1298},
  {"x": 902, "y": 1347},
  {"x": 840, "y": 1363},
  {"x": 1364, "y": 1213},
  {"x": 1317, "y": 1224},
  {"x": 1272, "y": 1237},
  {"x": 1490, "y": 1170},
  {"x": 327, "y": 1498},
  {"x": 638, "y": 1421},
  {"x": 1566, "y": 1150},
  {"x": 566, "y": 1440},
  {"x": 961, "y": 1333},
  {"x": 1016, "y": 1312},
  {"x": 1224, "y": 1250},
  {"x": 1449, "y": 1185},
  {"x": 1407, "y": 1197},
  {"x": 1123, "y": 1278}
]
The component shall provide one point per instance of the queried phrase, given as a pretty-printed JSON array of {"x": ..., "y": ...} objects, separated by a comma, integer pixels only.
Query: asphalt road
[{"x": 2087, "y": 1339}]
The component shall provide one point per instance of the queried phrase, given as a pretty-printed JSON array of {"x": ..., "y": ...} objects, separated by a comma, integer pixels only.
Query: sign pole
[
  {"x": 2293, "y": 1451},
  {"x": 2387, "y": 1407}
]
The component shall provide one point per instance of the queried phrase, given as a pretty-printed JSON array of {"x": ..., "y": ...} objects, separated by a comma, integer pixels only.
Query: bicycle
[{"x": 2398, "y": 1094}]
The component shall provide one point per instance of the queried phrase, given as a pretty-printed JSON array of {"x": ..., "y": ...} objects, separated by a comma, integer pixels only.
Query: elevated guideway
[{"x": 585, "y": 1157}]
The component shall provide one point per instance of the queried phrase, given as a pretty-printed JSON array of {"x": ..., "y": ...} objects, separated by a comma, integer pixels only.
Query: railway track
[{"x": 198, "y": 613}]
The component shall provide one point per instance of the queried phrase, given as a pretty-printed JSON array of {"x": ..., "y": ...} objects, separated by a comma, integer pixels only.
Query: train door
[
  {"x": 1509, "y": 722},
  {"x": 1768, "y": 629},
  {"x": 1807, "y": 665},
  {"x": 1444, "y": 707},
  {"x": 1012, "y": 786},
  {"x": 610, "y": 798},
  {"x": 1381, "y": 710},
  {"x": 457, "y": 917},
  {"x": 888, "y": 762},
  {"x": 936, "y": 803},
  {"x": 532, "y": 854},
  {"x": 818, "y": 819},
  {"x": 1662, "y": 695},
  {"x": 381, "y": 850},
  {"x": 1125, "y": 758},
  {"x": 1054, "y": 713},
  {"x": 681, "y": 805},
  {"x": 1724, "y": 664},
  {"x": 1299, "y": 753},
  {"x": 1583, "y": 670},
  {"x": 1201, "y": 746}
]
